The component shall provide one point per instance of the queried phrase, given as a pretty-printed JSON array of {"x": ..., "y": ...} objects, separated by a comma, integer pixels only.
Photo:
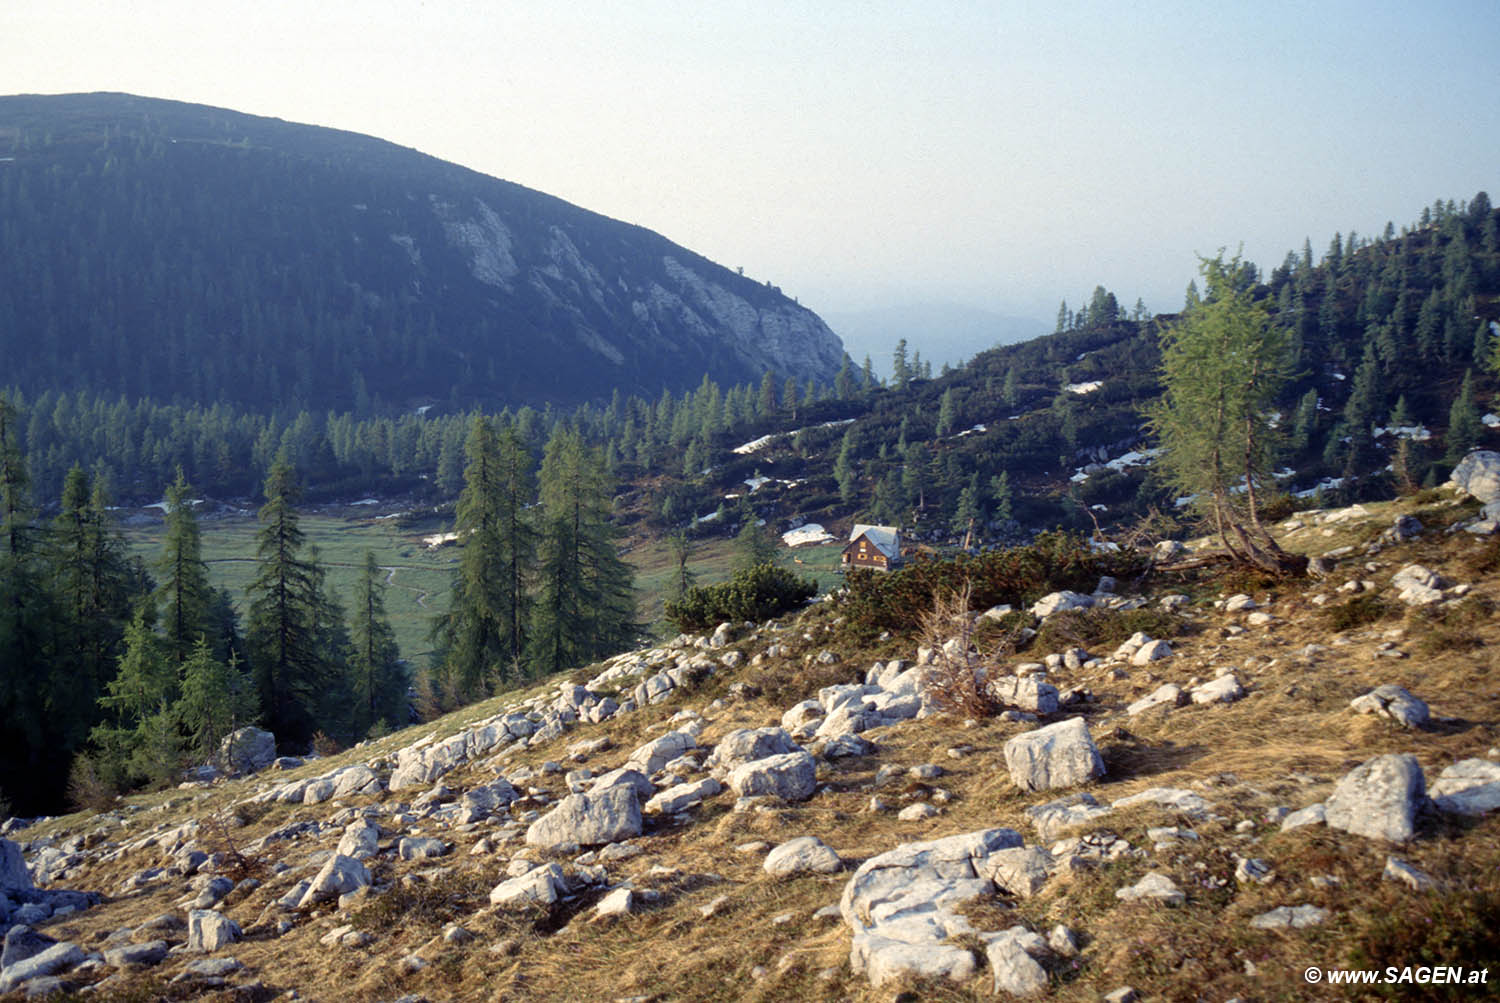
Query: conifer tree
[
  {"x": 585, "y": 604},
  {"x": 484, "y": 634},
  {"x": 92, "y": 579},
  {"x": 1001, "y": 499},
  {"x": 1464, "y": 425},
  {"x": 140, "y": 738},
  {"x": 683, "y": 577},
  {"x": 765, "y": 402},
  {"x": 901, "y": 373},
  {"x": 182, "y": 578},
  {"x": 946, "y": 413},
  {"x": 843, "y": 468},
  {"x": 289, "y": 633},
  {"x": 216, "y": 699},
  {"x": 1223, "y": 364},
  {"x": 753, "y": 546},
  {"x": 376, "y": 674}
]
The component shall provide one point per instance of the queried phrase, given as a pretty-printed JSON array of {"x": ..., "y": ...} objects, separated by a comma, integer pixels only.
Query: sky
[{"x": 1002, "y": 155}]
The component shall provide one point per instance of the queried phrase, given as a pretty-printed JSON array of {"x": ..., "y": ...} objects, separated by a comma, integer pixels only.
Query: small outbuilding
[{"x": 876, "y": 547}]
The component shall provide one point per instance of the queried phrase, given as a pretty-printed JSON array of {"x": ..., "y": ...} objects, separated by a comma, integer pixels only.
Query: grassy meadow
[{"x": 419, "y": 579}]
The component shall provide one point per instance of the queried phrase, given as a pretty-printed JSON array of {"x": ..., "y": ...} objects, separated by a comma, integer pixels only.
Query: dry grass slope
[{"x": 1286, "y": 744}]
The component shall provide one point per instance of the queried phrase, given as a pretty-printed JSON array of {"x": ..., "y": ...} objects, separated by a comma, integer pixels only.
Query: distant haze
[{"x": 942, "y": 332}]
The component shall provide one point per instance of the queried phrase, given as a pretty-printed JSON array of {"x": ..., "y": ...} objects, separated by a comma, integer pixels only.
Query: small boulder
[
  {"x": 14, "y": 875},
  {"x": 247, "y": 750},
  {"x": 589, "y": 819},
  {"x": 57, "y": 958},
  {"x": 1057, "y": 602},
  {"x": 1059, "y": 755},
  {"x": 1478, "y": 474},
  {"x": 1015, "y": 971},
  {"x": 1379, "y": 799},
  {"x": 1393, "y": 702},
  {"x": 1020, "y": 871},
  {"x": 421, "y": 848},
  {"x": 1167, "y": 695},
  {"x": 1153, "y": 887},
  {"x": 1290, "y": 918},
  {"x": 1468, "y": 787},
  {"x": 339, "y": 876},
  {"x": 802, "y": 855},
  {"x": 791, "y": 777},
  {"x": 1151, "y": 651},
  {"x": 208, "y": 931},
  {"x": 543, "y": 885},
  {"x": 361, "y": 839}
]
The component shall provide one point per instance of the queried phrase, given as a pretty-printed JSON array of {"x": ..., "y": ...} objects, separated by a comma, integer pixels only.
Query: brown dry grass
[{"x": 1285, "y": 744}]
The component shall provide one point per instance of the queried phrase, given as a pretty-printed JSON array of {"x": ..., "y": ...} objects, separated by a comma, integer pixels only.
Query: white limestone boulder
[
  {"x": 1059, "y": 755},
  {"x": 802, "y": 855},
  {"x": 589, "y": 819},
  {"x": 791, "y": 777},
  {"x": 1379, "y": 798}
]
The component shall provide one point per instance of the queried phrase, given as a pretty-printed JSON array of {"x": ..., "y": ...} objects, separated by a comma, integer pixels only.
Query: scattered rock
[
  {"x": 1056, "y": 602},
  {"x": 247, "y": 750},
  {"x": 1059, "y": 755},
  {"x": 1395, "y": 703},
  {"x": 1015, "y": 970},
  {"x": 57, "y": 958},
  {"x": 340, "y": 875},
  {"x": 619, "y": 902},
  {"x": 791, "y": 777},
  {"x": 589, "y": 819},
  {"x": 208, "y": 931},
  {"x": 543, "y": 885},
  {"x": 1224, "y": 689},
  {"x": 1468, "y": 787},
  {"x": 1153, "y": 887},
  {"x": 802, "y": 855},
  {"x": 1167, "y": 695},
  {"x": 1290, "y": 918},
  {"x": 1378, "y": 799},
  {"x": 1020, "y": 871}
]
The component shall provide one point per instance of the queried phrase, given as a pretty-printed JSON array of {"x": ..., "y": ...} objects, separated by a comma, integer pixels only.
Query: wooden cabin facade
[{"x": 877, "y": 547}]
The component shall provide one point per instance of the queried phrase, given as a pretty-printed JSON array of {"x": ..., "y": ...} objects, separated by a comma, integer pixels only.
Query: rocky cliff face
[{"x": 230, "y": 257}]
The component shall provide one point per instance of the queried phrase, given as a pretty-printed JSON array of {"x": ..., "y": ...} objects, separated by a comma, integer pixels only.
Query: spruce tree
[
  {"x": 216, "y": 699},
  {"x": 753, "y": 546},
  {"x": 484, "y": 634},
  {"x": 1465, "y": 428},
  {"x": 683, "y": 578},
  {"x": 288, "y": 630},
  {"x": 585, "y": 605},
  {"x": 376, "y": 674},
  {"x": 182, "y": 578}
]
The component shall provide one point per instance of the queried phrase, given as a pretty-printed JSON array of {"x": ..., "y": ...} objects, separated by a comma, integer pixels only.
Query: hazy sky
[{"x": 1003, "y": 155}]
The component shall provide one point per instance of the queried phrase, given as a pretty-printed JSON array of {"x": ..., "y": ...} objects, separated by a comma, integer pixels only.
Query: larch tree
[{"x": 1223, "y": 364}]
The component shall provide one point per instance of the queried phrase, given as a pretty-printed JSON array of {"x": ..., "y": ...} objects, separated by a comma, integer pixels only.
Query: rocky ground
[{"x": 1287, "y": 774}]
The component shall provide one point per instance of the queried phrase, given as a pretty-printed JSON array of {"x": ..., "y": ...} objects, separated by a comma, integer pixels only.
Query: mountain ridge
[{"x": 153, "y": 240}]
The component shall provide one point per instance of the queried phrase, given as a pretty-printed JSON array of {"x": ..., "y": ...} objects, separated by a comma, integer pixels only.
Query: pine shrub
[{"x": 756, "y": 593}]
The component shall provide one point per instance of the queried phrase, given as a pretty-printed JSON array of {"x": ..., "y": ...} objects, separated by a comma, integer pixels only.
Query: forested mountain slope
[{"x": 153, "y": 248}]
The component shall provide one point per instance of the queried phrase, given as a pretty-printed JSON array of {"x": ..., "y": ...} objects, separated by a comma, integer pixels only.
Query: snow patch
[
  {"x": 804, "y": 535},
  {"x": 1084, "y": 388}
]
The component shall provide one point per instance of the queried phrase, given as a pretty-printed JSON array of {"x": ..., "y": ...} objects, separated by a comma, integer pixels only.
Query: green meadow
[{"x": 419, "y": 578}]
